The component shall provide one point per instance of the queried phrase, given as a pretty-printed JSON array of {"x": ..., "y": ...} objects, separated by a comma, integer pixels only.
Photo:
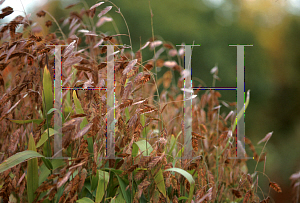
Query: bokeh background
[{"x": 272, "y": 65}]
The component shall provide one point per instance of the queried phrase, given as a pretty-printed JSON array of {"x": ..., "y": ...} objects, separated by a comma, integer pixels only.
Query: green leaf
[
  {"x": 68, "y": 106},
  {"x": 58, "y": 194},
  {"x": 51, "y": 110},
  {"x": 102, "y": 185},
  {"x": 54, "y": 109},
  {"x": 189, "y": 177},
  {"x": 17, "y": 159},
  {"x": 144, "y": 146},
  {"x": 45, "y": 172},
  {"x": 56, "y": 163},
  {"x": 159, "y": 181},
  {"x": 116, "y": 171},
  {"x": 155, "y": 196},
  {"x": 179, "y": 154},
  {"x": 47, "y": 163},
  {"x": 87, "y": 185},
  {"x": 182, "y": 197},
  {"x": 79, "y": 110},
  {"x": 127, "y": 114},
  {"x": 142, "y": 118},
  {"x": 47, "y": 93},
  {"x": 90, "y": 145},
  {"x": 144, "y": 200},
  {"x": 32, "y": 172},
  {"x": 172, "y": 144},
  {"x": 123, "y": 185},
  {"x": 186, "y": 174},
  {"x": 119, "y": 198},
  {"x": 95, "y": 181},
  {"x": 85, "y": 200},
  {"x": 242, "y": 111},
  {"x": 135, "y": 150},
  {"x": 44, "y": 136},
  {"x": 37, "y": 121},
  {"x": 47, "y": 96}
]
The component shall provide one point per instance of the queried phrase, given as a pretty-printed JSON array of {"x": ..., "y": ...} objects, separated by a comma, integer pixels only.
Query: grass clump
[{"x": 149, "y": 136}]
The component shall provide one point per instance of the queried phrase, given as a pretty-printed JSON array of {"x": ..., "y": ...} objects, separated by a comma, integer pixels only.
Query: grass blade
[
  {"x": 37, "y": 121},
  {"x": 79, "y": 110},
  {"x": 47, "y": 93},
  {"x": 123, "y": 185},
  {"x": 159, "y": 180},
  {"x": 241, "y": 113},
  {"x": 44, "y": 137},
  {"x": 47, "y": 97},
  {"x": 144, "y": 146},
  {"x": 17, "y": 159},
  {"x": 189, "y": 177},
  {"x": 102, "y": 185},
  {"x": 32, "y": 172},
  {"x": 85, "y": 200}
]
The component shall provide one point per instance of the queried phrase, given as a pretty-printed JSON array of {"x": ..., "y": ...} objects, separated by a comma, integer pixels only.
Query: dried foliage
[{"x": 148, "y": 128}]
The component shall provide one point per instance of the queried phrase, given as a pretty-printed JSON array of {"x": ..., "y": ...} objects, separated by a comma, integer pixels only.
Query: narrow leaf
[
  {"x": 79, "y": 110},
  {"x": 85, "y": 200},
  {"x": 32, "y": 172},
  {"x": 123, "y": 185},
  {"x": 189, "y": 177},
  {"x": 47, "y": 93},
  {"x": 144, "y": 146},
  {"x": 159, "y": 181},
  {"x": 241, "y": 113},
  {"x": 44, "y": 136},
  {"x": 119, "y": 198},
  {"x": 47, "y": 163},
  {"x": 37, "y": 121},
  {"x": 102, "y": 185},
  {"x": 17, "y": 159},
  {"x": 172, "y": 144}
]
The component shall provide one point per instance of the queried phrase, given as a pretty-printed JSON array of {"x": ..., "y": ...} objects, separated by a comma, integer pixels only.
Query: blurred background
[{"x": 272, "y": 65}]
